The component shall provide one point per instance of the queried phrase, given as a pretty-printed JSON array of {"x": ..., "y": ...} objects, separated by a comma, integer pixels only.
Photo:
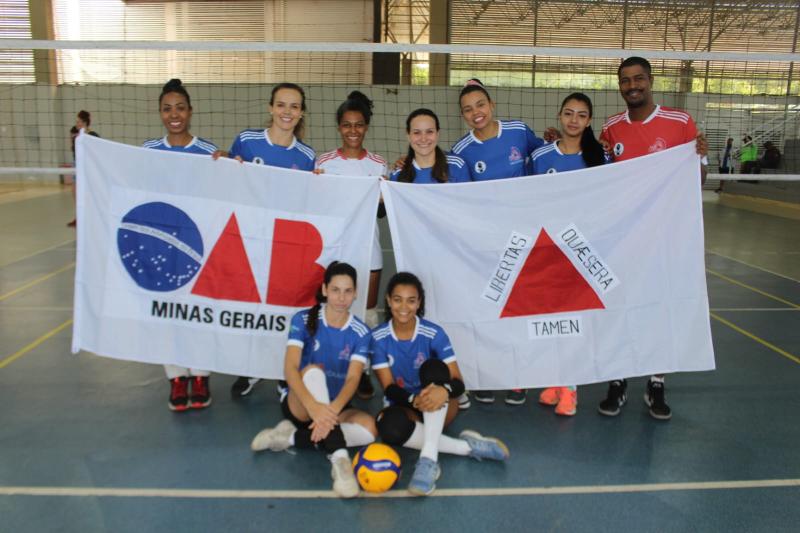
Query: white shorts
[{"x": 376, "y": 260}]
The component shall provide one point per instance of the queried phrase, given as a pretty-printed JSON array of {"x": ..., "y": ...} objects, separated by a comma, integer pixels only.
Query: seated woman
[
  {"x": 416, "y": 366},
  {"x": 326, "y": 343}
]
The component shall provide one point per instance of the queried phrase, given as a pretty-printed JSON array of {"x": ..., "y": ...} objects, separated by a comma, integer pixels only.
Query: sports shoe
[
  {"x": 201, "y": 393},
  {"x": 549, "y": 396},
  {"x": 344, "y": 480},
  {"x": 655, "y": 399},
  {"x": 365, "y": 389},
  {"x": 483, "y": 396},
  {"x": 481, "y": 447},
  {"x": 463, "y": 402},
  {"x": 615, "y": 398},
  {"x": 423, "y": 482},
  {"x": 567, "y": 402},
  {"x": 243, "y": 386},
  {"x": 275, "y": 439},
  {"x": 282, "y": 388},
  {"x": 179, "y": 394},
  {"x": 516, "y": 397}
]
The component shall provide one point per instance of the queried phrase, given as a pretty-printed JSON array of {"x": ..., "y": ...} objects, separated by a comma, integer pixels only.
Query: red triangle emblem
[
  {"x": 549, "y": 283},
  {"x": 227, "y": 274}
]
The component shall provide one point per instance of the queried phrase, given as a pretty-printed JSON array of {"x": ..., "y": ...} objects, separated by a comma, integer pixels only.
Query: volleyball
[{"x": 377, "y": 467}]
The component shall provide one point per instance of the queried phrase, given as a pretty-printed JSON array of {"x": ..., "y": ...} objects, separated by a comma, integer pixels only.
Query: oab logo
[
  {"x": 619, "y": 148},
  {"x": 480, "y": 167},
  {"x": 162, "y": 250}
]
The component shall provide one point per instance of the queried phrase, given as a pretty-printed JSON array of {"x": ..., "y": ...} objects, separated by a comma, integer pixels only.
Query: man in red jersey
[{"x": 642, "y": 129}]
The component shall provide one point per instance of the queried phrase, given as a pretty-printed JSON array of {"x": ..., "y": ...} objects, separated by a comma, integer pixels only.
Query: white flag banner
[
  {"x": 200, "y": 263},
  {"x": 563, "y": 279}
]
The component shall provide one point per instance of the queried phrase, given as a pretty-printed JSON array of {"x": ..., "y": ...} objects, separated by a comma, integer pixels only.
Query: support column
[
  {"x": 439, "y": 73},
  {"x": 44, "y": 61}
]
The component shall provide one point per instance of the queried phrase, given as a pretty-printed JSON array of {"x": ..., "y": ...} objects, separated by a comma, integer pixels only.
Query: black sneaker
[
  {"x": 615, "y": 399},
  {"x": 282, "y": 388},
  {"x": 243, "y": 386},
  {"x": 201, "y": 392},
  {"x": 365, "y": 388},
  {"x": 483, "y": 396},
  {"x": 516, "y": 397},
  {"x": 655, "y": 398},
  {"x": 178, "y": 394}
]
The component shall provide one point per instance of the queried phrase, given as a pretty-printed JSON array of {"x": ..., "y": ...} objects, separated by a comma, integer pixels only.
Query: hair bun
[
  {"x": 474, "y": 82},
  {"x": 174, "y": 83},
  {"x": 358, "y": 95}
]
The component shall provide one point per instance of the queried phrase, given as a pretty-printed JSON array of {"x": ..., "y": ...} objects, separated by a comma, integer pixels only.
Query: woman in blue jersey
[
  {"x": 279, "y": 145},
  {"x": 425, "y": 161},
  {"x": 175, "y": 107},
  {"x": 416, "y": 366},
  {"x": 189, "y": 387},
  {"x": 352, "y": 159},
  {"x": 577, "y": 148},
  {"x": 325, "y": 355},
  {"x": 493, "y": 149}
]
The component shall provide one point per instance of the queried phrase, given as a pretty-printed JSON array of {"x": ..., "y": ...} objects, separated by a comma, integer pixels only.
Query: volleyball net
[{"x": 751, "y": 98}]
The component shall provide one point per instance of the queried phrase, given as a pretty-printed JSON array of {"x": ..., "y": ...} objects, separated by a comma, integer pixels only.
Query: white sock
[
  {"x": 175, "y": 371},
  {"x": 338, "y": 454},
  {"x": 356, "y": 434},
  {"x": 446, "y": 444},
  {"x": 314, "y": 380},
  {"x": 434, "y": 425}
]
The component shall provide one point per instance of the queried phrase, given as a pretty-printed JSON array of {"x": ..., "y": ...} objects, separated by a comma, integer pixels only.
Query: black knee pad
[
  {"x": 394, "y": 426},
  {"x": 434, "y": 371},
  {"x": 334, "y": 441}
]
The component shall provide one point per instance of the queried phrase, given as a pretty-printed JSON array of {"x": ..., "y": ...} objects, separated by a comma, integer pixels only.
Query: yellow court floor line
[
  {"x": 750, "y": 287},
  {"x": 751, "y": 265},
  {"x": 22, "y": 351},
  {"x": 120, "y": 492},
  {"x": 757, "y": 338},
  {"x": 36, "y": 281},
  {"x": 34, "y": 254}
]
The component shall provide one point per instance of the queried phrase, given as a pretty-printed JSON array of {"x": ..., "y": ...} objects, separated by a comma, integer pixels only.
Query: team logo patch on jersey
[
  {"x": 317, "y": 345},
  {"x": 480, "y": 167},
  {"x": 657, "y": 146},
  {"x": 515, "y": 155},
  {"x": 419, "y": 360},
  {"x": 345, "y": 353},
  {"x": 619, "y": 148},
  {"x": 551, "y": 170},
  {"x": 390, "y": 357},
  {"x": 258, "y": 161}
]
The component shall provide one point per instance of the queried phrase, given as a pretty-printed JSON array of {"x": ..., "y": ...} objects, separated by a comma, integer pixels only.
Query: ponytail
[
  {"x": 408, "y": 173},
  {"x": 439, "y": 170},
  {"x": 591, "y": 150}
]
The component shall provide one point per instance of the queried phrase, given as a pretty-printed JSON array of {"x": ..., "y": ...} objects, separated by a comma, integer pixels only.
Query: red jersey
[{"x": 664, "y": 128}]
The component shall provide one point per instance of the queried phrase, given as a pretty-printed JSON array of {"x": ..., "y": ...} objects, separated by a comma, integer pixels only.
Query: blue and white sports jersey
[
  {"x": 197, "y": 146},
  {"x": 549, "y": 159},
  {"x": 255, "y": 146},
  {"x": 404, "y": 358},
  {"x": 457, "y": 172},
  {"x": 503, "y": 156},
  {"x": 330, "y": 348}
]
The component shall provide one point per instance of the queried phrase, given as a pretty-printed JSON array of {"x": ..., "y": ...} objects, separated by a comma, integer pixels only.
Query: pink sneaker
[
  {"x": 568, "y": 402},
  {"x": 549, "y": 396}
]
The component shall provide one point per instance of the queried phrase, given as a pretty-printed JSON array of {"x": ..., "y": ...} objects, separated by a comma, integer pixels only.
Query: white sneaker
[
  {"x": 275, "y": 439},
  {"x": 344, "y": 481}
]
